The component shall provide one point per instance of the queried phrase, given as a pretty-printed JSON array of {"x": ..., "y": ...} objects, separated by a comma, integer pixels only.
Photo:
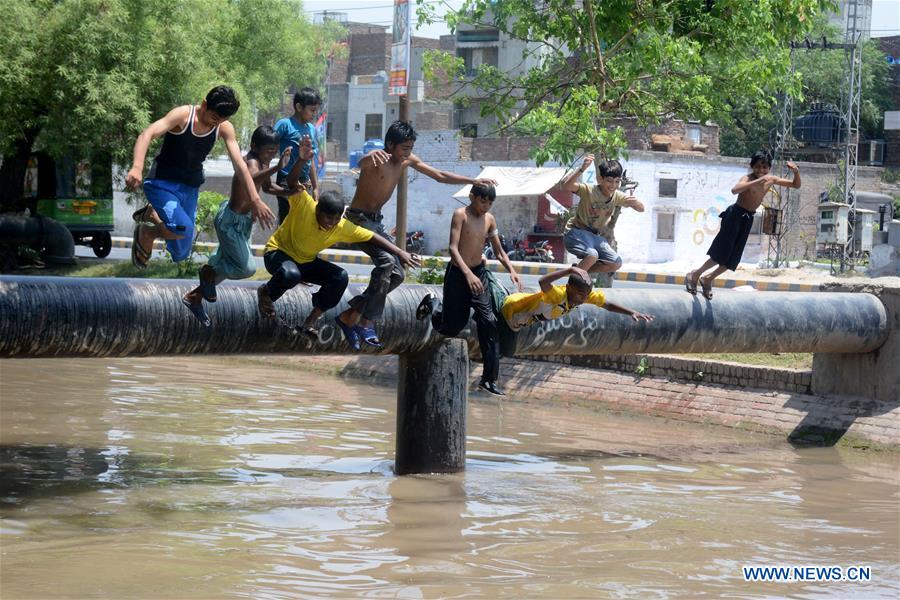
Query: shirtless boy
[
  {"x": 466, "y": 285},
  {"x": 233, "y": 258},
  {"x": 380, "y": 171},
  {"x": 728, "y": 246}
]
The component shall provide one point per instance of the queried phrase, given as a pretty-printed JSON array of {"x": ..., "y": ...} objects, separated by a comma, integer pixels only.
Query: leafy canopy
[{"x": 649, "y": 59}]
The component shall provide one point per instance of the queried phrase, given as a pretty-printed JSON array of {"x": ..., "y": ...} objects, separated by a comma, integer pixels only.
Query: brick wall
[
  {"x": 857, "y": 421},
  {"x": 502, "y": 148},
  {"x": 369, "y": 53}
]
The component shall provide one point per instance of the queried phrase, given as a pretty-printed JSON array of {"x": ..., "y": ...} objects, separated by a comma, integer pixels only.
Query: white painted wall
[{"x": 363, "y": 100}]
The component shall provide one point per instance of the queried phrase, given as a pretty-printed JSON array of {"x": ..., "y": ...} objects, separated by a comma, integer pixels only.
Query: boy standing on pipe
[
  {"x": 466, "y": 282},
  {"x": 728, "y": 246},
  {"x": 380, "y": 171},
  {"x": 173, "y": 184}
]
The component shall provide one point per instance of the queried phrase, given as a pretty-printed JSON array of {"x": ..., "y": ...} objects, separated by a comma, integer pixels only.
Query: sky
[{"x": 885, "y": 14}]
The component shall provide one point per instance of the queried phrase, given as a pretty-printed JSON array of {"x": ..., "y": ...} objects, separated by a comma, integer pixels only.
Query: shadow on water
[{"x": 29, "y": 473}]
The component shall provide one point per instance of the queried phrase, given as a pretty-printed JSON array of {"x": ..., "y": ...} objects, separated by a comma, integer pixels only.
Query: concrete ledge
[{"x": 802, "y": 418}]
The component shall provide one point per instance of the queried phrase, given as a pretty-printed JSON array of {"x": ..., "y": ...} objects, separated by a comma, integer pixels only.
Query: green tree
[
  {"x": 82, "y": 77},
  {"x": 745, "y": 127},
  {"x": 651, "y": 59}
]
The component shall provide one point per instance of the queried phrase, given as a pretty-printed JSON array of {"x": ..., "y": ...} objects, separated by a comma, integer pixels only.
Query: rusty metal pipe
[{"x": 57, "y": 316}]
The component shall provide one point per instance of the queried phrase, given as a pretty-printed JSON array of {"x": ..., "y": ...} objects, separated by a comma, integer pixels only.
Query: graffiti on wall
[{"x": 705, "y": 221}]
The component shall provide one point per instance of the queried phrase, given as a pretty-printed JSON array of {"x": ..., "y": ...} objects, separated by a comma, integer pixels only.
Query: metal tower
[{"x": 850, "y": 114}]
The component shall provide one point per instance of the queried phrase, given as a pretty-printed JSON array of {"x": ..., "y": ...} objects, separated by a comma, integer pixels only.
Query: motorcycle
[
  {"x": 415, "y": 240},
  {"x": 489, "y": 248},
  {"x": 539, "y": 251}
]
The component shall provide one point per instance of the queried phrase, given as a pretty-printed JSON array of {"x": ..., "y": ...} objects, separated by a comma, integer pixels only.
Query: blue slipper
[
  {"x": 349, "y": 334},
  {"x": 368, "y": 335},
  {"x": 198, "y": 311}
]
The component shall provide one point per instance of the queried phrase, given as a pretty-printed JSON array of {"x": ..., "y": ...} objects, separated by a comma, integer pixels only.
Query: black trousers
[
  {"x": 453, "y": 316},
  {"x": 286, "y": 273}
]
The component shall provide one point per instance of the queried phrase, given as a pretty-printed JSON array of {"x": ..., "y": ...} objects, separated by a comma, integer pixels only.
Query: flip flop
[
  {"x": 349, "y": 334},
  {"x": 198, "y": 311},
  {"x": 139, "y": 256},
  {"x": 707, "y": 289},
  {"x": 691, "y": 288},
  {"x": 368, "y": 335},
  {"x": 425, "y": 307},
  {"x": 308, "y": 330}
]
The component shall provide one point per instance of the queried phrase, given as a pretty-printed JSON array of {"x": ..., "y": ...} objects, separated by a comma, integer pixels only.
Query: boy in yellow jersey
[
  {"x": 291, "y": 253},
  {"x": 554, "y": 301}
]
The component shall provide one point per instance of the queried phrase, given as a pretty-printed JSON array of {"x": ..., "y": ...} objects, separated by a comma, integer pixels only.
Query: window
[
  {"x": 373, "y": 126},
  {"x": 668, "y": 188},
  {"x": 665, "y": 227},
  {"x": 827, "y": 214},
  {"x": 692, "y": 132},
  {"x": 469, "y": 130}
]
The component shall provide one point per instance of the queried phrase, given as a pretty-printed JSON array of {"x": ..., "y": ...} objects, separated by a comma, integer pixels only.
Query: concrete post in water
[{"x": 431, "y": 409}]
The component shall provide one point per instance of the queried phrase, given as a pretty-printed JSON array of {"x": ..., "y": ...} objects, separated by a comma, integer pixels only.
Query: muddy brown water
[{"x": 220, "y": 478}]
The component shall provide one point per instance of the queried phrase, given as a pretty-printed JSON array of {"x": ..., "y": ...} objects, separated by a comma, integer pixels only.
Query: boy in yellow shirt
[
  {"x": 291, "y": 253},
  {"x": 554, "y": 301}
]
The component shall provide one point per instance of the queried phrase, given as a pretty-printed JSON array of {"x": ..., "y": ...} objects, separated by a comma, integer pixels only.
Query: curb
[{"x": 353, "y": 257}]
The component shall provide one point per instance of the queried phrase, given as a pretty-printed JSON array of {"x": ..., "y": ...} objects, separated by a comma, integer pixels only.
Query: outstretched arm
[
  {"x": 407, "y": 259},
  {"x": 546, "y": 282},
  {"x": 635, "y": 315},
  {"x": 304, "y": 155},
  {"x": 791, "y": 183},
  {"x": 173, "y": 119},
  {"x": 444, "y": 176}
]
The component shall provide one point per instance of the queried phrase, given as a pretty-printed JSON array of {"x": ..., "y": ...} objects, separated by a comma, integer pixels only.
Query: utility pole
[{"x": 402, "y": 185}]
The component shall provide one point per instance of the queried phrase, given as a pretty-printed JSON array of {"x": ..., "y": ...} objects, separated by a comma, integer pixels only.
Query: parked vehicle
[
  {"x": 539, "y": 251},
  {"x": 415, "y": 240},
  {"x": 489, "y": 248}
]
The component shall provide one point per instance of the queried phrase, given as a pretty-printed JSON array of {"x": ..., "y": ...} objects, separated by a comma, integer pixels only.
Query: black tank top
[{"x": 182, "y": 155}]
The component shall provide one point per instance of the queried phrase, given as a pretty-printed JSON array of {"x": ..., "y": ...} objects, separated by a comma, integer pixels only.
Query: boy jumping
[
  {"x": 291, "y": 252},
  {"x": 234, "y": 258},
  {"x": 173, "y": 184},
  {"x": 380, "y": 171},
  {"x": 728, "y": 246},
  {"x": 555, "y": 301},
  {"x": 583, "y": 237},
  {"x": 466, "y": 282}
]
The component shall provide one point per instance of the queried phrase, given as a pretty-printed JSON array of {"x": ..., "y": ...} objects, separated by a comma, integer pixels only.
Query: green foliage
[
  {"x": 207, "y": 206},
  {"x": 78, "y": 76},
  {"x": 746, "y": 127},
  {"x": 588, "y": 62},
  {"x": 889, "y": 175},
  {"x": 643, "y": 366},
  {"x": 431, "y": 271}
]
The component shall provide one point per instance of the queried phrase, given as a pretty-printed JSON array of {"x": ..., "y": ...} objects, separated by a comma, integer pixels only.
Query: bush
[{"x": 431, "y": 272}]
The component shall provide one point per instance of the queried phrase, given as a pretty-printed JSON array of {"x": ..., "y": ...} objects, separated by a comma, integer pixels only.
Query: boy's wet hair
[
  {"x": 761, "y": 157},
  {"x": 223, "y": 101},
  {"x": 307, "y": 97},
  {"x": 484, "y": 190},
  {"x": 399, "y": 132},
  {"x": 331, "y": 203},
  {"x": 609, "y": 168},
  {"x": 264, "y": 136},
  {"x": 578, "y": 282}
]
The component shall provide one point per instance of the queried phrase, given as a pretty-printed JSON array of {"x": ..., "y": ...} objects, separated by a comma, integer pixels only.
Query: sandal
[
  {"x": 139, "y": 255},
  {"x": 368, "y": 335},
  {"x": 140, "y": 214},
  {"x": 308, "y": 330},
  {"x": 349, "y": 333},
  {"x": 691, "y": 288},
  {"x": 425, "y": 308},
  {"x": 706, "y": 286},
  {"x": 198, "y": 311},
  {"x": 264, "y": 302}
]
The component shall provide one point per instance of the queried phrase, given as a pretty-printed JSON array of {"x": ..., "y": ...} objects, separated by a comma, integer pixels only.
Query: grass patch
[{"x": 788, "y": 360}]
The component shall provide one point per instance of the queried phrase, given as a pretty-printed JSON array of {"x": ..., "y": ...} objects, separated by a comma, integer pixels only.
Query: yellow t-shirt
[
  {"x": 302, "y": 238},
  {"x": 522, "y": 309},
  {"x": 594, "y": 210}
]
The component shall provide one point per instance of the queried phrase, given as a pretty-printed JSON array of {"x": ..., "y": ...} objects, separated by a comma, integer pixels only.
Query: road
[{"x": 361, "y": 272}]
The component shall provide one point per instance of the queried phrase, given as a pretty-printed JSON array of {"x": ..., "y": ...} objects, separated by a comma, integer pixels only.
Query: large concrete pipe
[
  {"x": 50, "y": 316},
  {"x": 41, "y": 233}
]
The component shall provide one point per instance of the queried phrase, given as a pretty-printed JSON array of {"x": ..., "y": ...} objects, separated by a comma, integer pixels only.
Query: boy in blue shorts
[
  {"x": 291, "y": 131},
  {"x": 233, "y": 258},
  {"x": 173, "y": 184}
]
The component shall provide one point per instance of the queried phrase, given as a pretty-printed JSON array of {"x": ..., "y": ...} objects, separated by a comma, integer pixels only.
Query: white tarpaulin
[{"x": 519, "y": 181}]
